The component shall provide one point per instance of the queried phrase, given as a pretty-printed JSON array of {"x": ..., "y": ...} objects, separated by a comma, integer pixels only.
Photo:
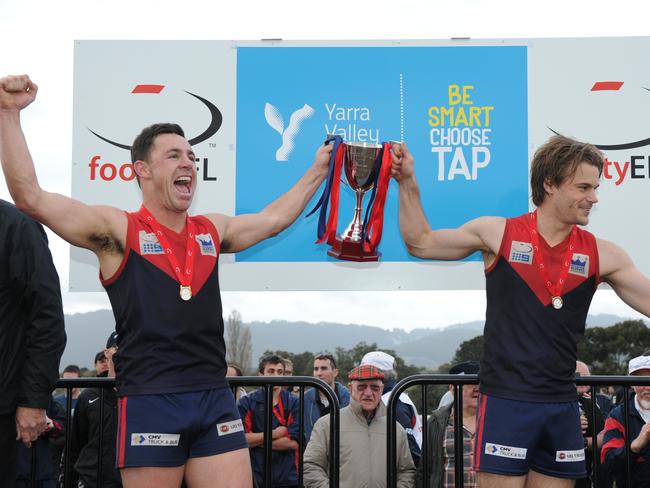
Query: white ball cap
[
  {"x": 638, "y": 363},
  {"x": 380, "y": 360}
]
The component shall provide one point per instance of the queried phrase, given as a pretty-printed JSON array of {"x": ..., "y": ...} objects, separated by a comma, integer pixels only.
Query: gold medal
[
  {"x": 557, "y": 302},
  {"x": 186, "y": 292}
]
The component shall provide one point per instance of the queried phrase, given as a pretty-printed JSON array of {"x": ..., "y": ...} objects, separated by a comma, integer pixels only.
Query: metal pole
[
  {"x": 100, "y": 454},
  {"x": 458, "y": 436},
  {"x": 268, "y": 447}
]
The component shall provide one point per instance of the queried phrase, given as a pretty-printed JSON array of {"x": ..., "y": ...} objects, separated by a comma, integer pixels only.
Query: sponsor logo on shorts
[
  {"x": 570, "y": 456},
  {"x": 149, "y": 243},
  {"x": 162, "y": 440},
  {"x": 206, "y": 244},
  {"x": 579, "y": 264},
  {"x": 230, "y": 427},
  {"x": 505, "y": 451},
  {"x": 521, "y": 252}
]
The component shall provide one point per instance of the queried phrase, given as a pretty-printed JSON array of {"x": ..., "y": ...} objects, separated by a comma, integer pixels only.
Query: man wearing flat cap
[
  {"x": 612, "y": 454},
  {"x": 406, "y": 413},
  {"x": 363, "y": 440}
]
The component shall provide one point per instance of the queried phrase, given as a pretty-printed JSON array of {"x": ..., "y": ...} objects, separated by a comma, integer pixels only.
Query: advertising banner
[{"x": 472, "y": 113}]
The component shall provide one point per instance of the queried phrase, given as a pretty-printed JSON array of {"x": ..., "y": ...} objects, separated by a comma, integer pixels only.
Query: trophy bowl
[{"x": 361, "y": 164}]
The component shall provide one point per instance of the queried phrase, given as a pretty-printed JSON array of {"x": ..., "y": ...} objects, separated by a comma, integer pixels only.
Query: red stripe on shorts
[
  {"x": 479, "y": 431},
  {"x": 121, "y": 431}
]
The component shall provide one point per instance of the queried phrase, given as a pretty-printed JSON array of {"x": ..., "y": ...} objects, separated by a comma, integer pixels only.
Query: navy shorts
[
  {"x": 513, "y": 437},
  {"x": 167, "y": 429}
]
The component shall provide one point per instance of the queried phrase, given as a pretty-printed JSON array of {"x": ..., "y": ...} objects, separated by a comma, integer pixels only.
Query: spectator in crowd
[
  {"x": 233, "y": 371},
  {"x": 101, "y": 363},
  {"x": 604, "y": 402},
  {"x": 86, "y": 427},
  {"x": 288, "y": 371},
  {"x": 441, "y": 462},
  {"x": 45, "y": 474},
  {"x": 284, "y": 428},
  {"x": 587, "y": 418},
  {"x": 407, "y": 414},
  {"x": 316, "y": 403},
  {"x": 32, "y": 335},
  {"x": 362, "y": 440},
  {"x": 288, "y": 366},
  {"x": 71, "y": 371},
  {"x": 57, "y": 443},
  {"x": 615, "y": 438}
]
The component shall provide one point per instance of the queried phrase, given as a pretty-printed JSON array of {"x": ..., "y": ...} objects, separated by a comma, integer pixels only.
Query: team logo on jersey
[
  {"x": 231, "y": 427},
  {"x": 505, "y": 451},
  {"x": 521, "y": 252},
  {"x": 149, "y": 243},
  {"x": 160, "y": 440},
  {"x": 570, "y": 456},
  {"x": 206, "y": 244},
  {"x": 579, "y": 264}
]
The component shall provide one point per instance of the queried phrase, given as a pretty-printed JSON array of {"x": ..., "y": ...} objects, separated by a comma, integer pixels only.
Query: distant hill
[{"x": 87, "y": 334}]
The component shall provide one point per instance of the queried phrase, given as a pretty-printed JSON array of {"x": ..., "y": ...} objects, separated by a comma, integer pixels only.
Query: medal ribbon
[
  {"x": 555, "y": 290},
  {"x": 183, "y": 277},
  {"x": 374, "y": 224}
]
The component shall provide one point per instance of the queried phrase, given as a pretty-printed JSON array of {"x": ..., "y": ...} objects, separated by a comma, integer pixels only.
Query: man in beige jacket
[{"x": 363, "y": 440}]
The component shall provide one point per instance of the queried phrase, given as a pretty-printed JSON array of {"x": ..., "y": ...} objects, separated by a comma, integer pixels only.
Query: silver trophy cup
[{"x": 361, "y": 163}]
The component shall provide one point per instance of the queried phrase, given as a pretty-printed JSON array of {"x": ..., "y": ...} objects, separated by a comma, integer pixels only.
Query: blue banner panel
[{"x": 463, "y": 112}]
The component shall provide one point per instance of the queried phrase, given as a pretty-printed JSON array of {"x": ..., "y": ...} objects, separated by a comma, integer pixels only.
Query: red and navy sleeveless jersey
[
  {"x": 530, "y": 348},
  {"x": 165, "y": 344}
]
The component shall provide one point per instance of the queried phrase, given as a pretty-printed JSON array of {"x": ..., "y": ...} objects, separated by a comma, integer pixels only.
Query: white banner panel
[{"x": 473, "y": 113}]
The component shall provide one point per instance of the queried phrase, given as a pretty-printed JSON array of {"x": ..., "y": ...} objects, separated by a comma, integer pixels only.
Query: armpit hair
[
  {"x": 106, "y": 243},
  {"x": 225, "y": 246}
]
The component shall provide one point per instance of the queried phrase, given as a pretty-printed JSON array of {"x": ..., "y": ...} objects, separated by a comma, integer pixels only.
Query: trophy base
[{"x": 351, "y": 251}]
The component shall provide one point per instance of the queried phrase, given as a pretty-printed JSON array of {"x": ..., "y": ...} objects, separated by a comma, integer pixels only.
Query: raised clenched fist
[{"x": 16, "y": 92}]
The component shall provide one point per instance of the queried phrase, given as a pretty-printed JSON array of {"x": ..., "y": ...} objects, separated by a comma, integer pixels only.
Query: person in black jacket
[
  {"x": 32, "y": 334},
  {"x": 85, "y": 432}
]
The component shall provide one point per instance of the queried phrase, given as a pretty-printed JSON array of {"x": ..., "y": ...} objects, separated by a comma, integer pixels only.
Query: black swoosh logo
[
  {"x": 616, "y": 147},
  {"x": 216, "y": 119}
]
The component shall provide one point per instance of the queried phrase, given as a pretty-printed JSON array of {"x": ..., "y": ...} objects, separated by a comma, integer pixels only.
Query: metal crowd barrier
[
  {"x": 266, "y": 382},
  {"x": 424, "y": 380}
]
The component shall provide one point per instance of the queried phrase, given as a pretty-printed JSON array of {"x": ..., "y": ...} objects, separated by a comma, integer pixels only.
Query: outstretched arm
[
  {"x": 243, "y": 231},
  {"x": 482, "y": 234},
  {"x": 618, "y": 270},
  {"x": 94, "y": 228}
]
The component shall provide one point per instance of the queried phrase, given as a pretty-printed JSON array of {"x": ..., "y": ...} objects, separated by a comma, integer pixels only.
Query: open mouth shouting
[{"x": 183, "y": 185}]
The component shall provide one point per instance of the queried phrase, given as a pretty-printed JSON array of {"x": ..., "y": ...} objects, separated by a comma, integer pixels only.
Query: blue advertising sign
[{"x": 462, "y": 111}]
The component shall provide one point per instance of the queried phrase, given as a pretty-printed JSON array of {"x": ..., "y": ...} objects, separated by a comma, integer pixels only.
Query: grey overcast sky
[{"x": 36, "y": 37}]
